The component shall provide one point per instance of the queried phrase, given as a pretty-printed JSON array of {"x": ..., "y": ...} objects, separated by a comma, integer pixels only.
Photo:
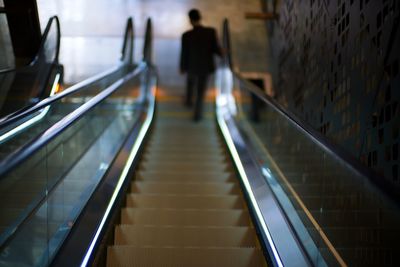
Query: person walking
[{"x": 199, "y": 45}]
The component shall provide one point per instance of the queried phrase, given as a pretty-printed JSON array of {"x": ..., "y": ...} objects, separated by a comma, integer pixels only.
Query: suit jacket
[{"x": 197, "y": 52}]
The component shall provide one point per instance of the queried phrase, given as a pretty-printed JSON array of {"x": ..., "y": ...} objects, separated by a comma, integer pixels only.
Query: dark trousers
[{"x": 195, "y": 88}]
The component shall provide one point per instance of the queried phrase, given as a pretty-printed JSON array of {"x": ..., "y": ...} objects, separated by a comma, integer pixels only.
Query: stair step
[
  {"x": 185, "y": 149},
  {"x": 185, "y": 188},
  {"x": 172, "y": 137},
  {"x": 185, "y": 161},
  {"x": 179, "y": 142},
  {"x": 182, "y": 128},
  {"x": 192, "y": 141},
  {"x": 189, "y": 217},
  {"x": 151, "y": 175},
  {"x": 172, "y": 236},
  {"x": 187, "y": 164},
  {"x": 184, "y": 166},
  {"x": 170, "y": 153},
  {"x": 194, "y": 257},
  {"x": 184, "y": 202},
  {"x": 218, "y": 158}
]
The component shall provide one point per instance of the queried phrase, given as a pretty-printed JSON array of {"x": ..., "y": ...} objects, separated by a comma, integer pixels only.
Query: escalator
[
  {"x": 120, "y": 180},
  {"x": 25, "y": 86},
  {"x": 69, "y": 177},
  {"x": 43, "y": 164},
  {"x": 185, "y": 206},
  {"x": 22, "y": 123}
]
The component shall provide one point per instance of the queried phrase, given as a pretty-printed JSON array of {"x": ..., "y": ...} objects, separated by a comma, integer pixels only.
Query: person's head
[{"x": 194, "y": 16}]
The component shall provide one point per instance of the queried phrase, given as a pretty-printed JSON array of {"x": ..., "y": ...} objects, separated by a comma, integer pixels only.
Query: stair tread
[
  {"x": 208, "y": 149},
  {"x": 186, "y": 156},
  {"x": 188, "y": 172},
  {"x": 184, "y": 175},
  {"x": 194, "y": 257},
  {"x": 185, "y": 217},
  {"x": 172, "y": 236},
  {"x": 185, "y": 188},
  {"x": 176, "y": 166},
  {"x": 167, "y": 178},
  {"x": 185, "y": 201},
  {"x": 183, "y": 164},
  {"x": 193, "y": 140}
]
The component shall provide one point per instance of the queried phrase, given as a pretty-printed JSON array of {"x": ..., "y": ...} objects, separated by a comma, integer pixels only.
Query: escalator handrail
[
  {"x": 45, "y": 35},
  {"x": 128, "y": 38},
  {"x": 314, "y": 135},
  {"x": 148, "y": 39},
  {"x": 336, "y": 151},
  {"x": 33, "y": 146},
  {"x": 13, "y": 117},
  {"x": 226, "y": 45}
]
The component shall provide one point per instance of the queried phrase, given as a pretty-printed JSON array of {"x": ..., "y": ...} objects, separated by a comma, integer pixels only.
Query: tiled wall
[{"x": 335, "y": 63}]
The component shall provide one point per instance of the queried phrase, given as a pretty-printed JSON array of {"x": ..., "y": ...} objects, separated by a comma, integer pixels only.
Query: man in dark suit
[{"x": 197, "y": 60}]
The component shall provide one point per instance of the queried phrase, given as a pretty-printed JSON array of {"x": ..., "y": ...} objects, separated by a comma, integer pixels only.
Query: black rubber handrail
[
  {"x": 346, "y": 158},
  {"x": 127, "y": 52},
  {"x": 45, "y": 35},
  {"x": 18, "y": 156},
  {"x": 13, "y": 117},
  {"x": 226, "y": 44},
  {"x": 148, "y": 39}
]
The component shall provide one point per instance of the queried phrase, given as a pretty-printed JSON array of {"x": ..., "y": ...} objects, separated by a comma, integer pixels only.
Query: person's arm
[{"x": 184, "y": 56}]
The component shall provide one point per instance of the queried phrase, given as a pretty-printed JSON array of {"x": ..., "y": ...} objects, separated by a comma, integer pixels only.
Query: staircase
[{"x": 185, "y": 206}]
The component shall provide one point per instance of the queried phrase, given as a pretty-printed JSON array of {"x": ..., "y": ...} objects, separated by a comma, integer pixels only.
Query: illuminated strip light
[
  {"x": 35, "y": 119},
  {"x": 239, "y": 165},
  {"x": 132, "y": 155}
]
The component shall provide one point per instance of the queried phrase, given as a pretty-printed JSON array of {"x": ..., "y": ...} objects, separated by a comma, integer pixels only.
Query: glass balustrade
[{"x": 338, "y": 215}]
